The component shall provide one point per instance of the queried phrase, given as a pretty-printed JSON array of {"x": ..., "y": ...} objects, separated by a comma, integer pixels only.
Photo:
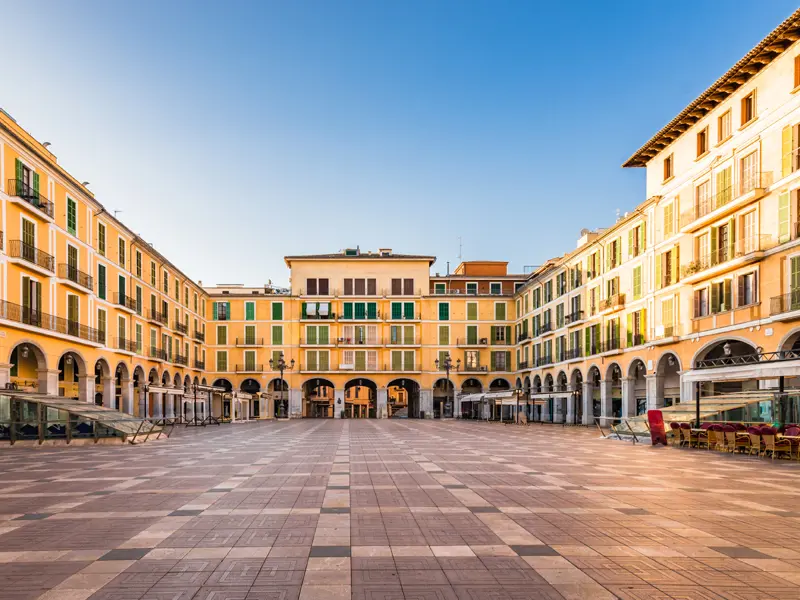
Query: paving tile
[{"x": 126, "y": 554}]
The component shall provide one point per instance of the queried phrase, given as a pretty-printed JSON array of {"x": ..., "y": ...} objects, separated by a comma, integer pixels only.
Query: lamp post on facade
[
  {"x": 447, "y": 365},
  {"x": 518, "y": 391},
  {"x": 281, "y": 365}
]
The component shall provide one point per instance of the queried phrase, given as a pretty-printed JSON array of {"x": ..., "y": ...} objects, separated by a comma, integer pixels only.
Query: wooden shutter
[
  {"x": 348, "y": 287},
  {"x": 508, "y": 334},
  {"x": 397, "y": 287},
  {"x": 311, "y": 287},
  {"x": 18, "y": 170},
  {"x": 372, "y": 288},
  {"x": 675, "y": 273},
  {"x": 786, "y": 146},
  {"x": 642, "y": 238},
  {"x": 324, "y": 360},
  {"x": 372, "y": 310},
  {"x": 784, "y": 218},
  {"x": 740, "y": 291},
  {"x": 618, "y": 251},
  {"x": 472, "y": 311},
  {"x": 311, "y": 359},
  {"x": 631, "y": 254},
  {"x": 726, "y": 292},
  {"x": 444, "y": 311},
  {"x": 303, "y": 313},
  {"x": 397, "y": 310},
  {"x": 408, "y": 287},
  {"x": 348, "y": 310},
  {"x": 714, "y": 298},
  {"x": 408, "y": 360},
  {"x": 637, "y": 283},
  {"x": 408, "y": 310},
  {"x": 629, "y": 328},
  {"x": 277, "y": 311},
  {"x": 322, "y": 334},
  {"x": 397, "y": 360},
  {"x": 277, "y": 335},
  {"x": 493, "y": 360},
  {"x": 311, "y": 334},
  {"x": 444, "y": 335},
  {"x": 323, "y": 288},
  {"x": 360, "y": 287},
  {"x": 492, "y": 335},
  {"x": 250, "y": 311}
]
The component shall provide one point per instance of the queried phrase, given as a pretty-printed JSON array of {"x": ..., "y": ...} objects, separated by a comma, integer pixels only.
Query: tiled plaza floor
[{"x": 395, "y": 509}]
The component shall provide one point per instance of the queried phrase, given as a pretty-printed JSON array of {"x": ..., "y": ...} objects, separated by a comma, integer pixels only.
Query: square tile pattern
[{"x": 392, "y": 510}]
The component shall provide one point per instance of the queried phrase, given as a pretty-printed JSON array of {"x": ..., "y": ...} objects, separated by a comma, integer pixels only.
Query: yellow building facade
[{"x": 697, "y": 288}]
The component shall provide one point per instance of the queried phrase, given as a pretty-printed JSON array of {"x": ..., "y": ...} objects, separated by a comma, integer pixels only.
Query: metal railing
[
  {"x": 669, "y": 331},
  {"x": 157, "y": 353},
  {"x": 126, "y": 301},
  {"x": 200, "y": 364},
  {"x": 75, "y": 275},
  {"x": 544, "y": 360},
  {"x": 402, "y": 341},
  {"x": 180, "y": 359},
  {"x": 460, "y": 342},
  {"x": 22, "y": 190},
  {"x": 404, "y": 317},
  {"x": 523, "y": 335},
  {"x": 28, "y": 316},
  {"x": 19, "y": 249},
  {"x": 249, "y": 341},
  {"x": 741, "y": 247},
  {"x": 572, "y": 353},
  {"x": 785, "y": 303},
  {"x": 615, "y": 301},
  {"x": 637, "y": 339},
  {"x": 157, "y": 317},
  {"x": 593, "y": 348},
  {"x": 366, "y": 317},
  {"x": 199, "y": 336},
  {"x": 474, "y": 368},
  {"x": 573, "y": 317},
  {"x": 523, "y": 364},
  {"x": 748, "y": 359},
  {"x": 125, "y": 344},
  {"x": 181, "y": 328},
  {"x": 249, "y": 368},
  {"x": 708, "y": 204},
  {"x": 610, "y": 345},
  {"x": 330, "y": 316},
  {"x": 544, "y": 328}
]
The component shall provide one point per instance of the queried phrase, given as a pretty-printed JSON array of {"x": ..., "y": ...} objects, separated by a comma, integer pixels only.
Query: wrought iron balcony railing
[
  {"x": 610, "y": 345},
  {"x": 157, "y": 353},
  {"x": 157, "y": 317},
  {"x": 22, "y": 190},
  {"x": 125, "y": 344},
  {"x": 742, "y": 247},
  {"x": 19, "y": 249},
  {"x": 544, "y": 360},
  {"x": 613, "y": 302},
  {"x": 199, "y": 336},
  {"x": 180, "y": 359},
  {"x": 572, "y": 353},
  {"x": 29, "y": 316},
  {"x": 574, "y": 317},
  {"x": 249, "y": 341},
  {"x": 75, "y": 275},
  {"x": 181, "y": 328},
  {"x": 200, "y": 364},
  {"x": 126, "y": 301},
  {"x": 523, "y": 335},
  {"x": 785, "y": 303}
]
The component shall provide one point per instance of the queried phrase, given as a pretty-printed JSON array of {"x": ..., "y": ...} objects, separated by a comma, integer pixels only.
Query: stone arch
[
  {"x": 223, "y": 383},
  {"x": 361, "y": 394},
  {"x": 187, "y": 383},
  {"x": 152, "y": 376},
  {"x": 518, "y": 384},
  {"x": 165, "y": 378},
  {"x": 123, "y": 388},
  {"x": 667, "y": 390},
  {"x": 499, "y": 384},
  {"x": 537, "y": 384},
  {"x": 104, "y": 394},
  {"x": 664, "y": 363},
  {"x": 471, "y": 385},
  {"x": 249, "y": 386},
  {"x": 73, "y": 376},
  {"x": 613, "y": 370},
  {"x": 526, "y": 384},
  {"x": 548, "y": 383},
  {"x": 632, "y": 364},
  {"x": 790, "y": 344},
  {"x": 176, "y": 381},
  {"x": 402, "y": 397},
  {"x": 561, "y": 381},
  {"x": 715, "y": 348},
  {"x": 319, "y": 396}
]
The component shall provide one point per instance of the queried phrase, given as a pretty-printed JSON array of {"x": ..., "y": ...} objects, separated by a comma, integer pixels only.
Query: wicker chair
[
  {"x": 686, "y": 434},
  {"x": 794, "y": 430},
  {"x": 729, "y": 437},
  {"x": 754, "y": 434},
  {"x": 677, "y": 439},
  {"x": 772, "y": 444},
  {"x": 716, "y": 439}
]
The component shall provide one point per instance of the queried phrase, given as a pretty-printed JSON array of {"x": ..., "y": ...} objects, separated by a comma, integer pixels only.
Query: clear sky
[{"x": 232, "y": 133}]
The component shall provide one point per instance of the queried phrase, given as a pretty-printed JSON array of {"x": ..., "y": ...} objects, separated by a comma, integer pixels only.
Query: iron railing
[
  {"x": 574, "y": 317},
  {"x": 200, "y": 364},
  {"x": 199, "y": 336},
  {"x": 249, "y": 341},
  {"x": 22, "y": 190},
  {"x": 75, "y": 275},
  {"x": 125, "y": 344},
  {"x": 637, "y": 339},
  {"x": 610, "y": 345},
  {"x": 157, "y": 317},
  {"x": 544, "y": 328},
  {"x": 741, "y": 247},
  {"x": 748, "y": 359},
  {"x": 29, "y": 316},
  {"x": 593, "y": 348},
  {"x": 364, "y": 317},
  {"x": 19, "y": 249},
  {"x": 474, "y": 368},
  {"x": 157, "y": 353},
  {"x": 126, "y": 301},
  {"x": 472, "y": 341},
  {"x": 329, "y": 317},
  {"x": 615, "y": 301},
  {"x": 180, "y": 359},
  {"x": 523, "y": 364},
  {"x": 544, "y": 360},
  {"x": 785, "y": 303},
  {"x": 523, "y": 335},
  {"x": 573, "y": 353},
  {"x": 182, "y": 328}
]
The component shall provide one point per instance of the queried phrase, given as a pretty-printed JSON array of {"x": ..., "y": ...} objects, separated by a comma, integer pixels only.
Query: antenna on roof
[
  {"x": 459, "y": 248},
  {"x": 116, "y": 212}
]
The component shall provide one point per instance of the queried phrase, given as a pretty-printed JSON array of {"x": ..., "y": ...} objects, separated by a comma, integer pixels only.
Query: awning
[
  {"x": 311, "y": 309},
  {"x": 711, "y": 405},
  {"x": 759, "y": 370},
  {"x": 471, "y": 398},
  {"x": 323, "y": 309},
  {"x": 157, "y": 389}
]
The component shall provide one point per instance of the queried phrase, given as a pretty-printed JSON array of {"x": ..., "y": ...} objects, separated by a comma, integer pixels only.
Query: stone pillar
[
  {"x": 546, "y": 410},
  {"x": 295, "y": 404},
  {"x": 655, "y": 391},
  {"x": 628, "y": 397},
  {"x": 588, "y": 403},
  {"x": 48, "y": 381},
  {"x": 142, "y": 402},
  {"x": 86, "y": 388},
  {"x": 687, "y": 390},
  {"x": 570, "y": 409},
  {"x": 606, "y": 395},
  {"x": 170, "y": 406},
  {"x": 271, "y": 407},
  {"x": 107, "y": 386},
  {"x": 127, "y": 395},
  {"x": 382, "y": 404},
  {"x": 157, "y": 404},
  {"x": 426, "y": 403},
  {"x": 5, "y": 374}
]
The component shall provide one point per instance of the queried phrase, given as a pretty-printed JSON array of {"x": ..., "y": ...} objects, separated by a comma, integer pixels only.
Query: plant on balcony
[{"x": 692, "y": 268}]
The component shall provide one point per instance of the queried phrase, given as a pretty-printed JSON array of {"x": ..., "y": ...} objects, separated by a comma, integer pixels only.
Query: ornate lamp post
[
  {"x": 447, "y": 365},
  {"x": 281, "y": 365}
]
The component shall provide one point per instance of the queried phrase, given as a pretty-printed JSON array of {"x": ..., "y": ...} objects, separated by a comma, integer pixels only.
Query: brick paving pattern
[{"x": 386, "y": 510}]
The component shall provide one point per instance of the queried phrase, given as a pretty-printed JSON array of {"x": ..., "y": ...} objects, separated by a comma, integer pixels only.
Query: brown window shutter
[
  {"x": 324, "y": 290},
  {"x": 397, "y": 287},
  {"x": 348, "y": 287},
  {"x": 372, "y": 288},
  {"x": 408, "y": 287},
  {"x": 311, "y": 287},
  {"x": 360, "y": 289}
]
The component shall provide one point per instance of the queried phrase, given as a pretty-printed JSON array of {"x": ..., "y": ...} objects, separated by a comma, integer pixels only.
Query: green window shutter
[
  {"x": 250, "y": 311},
  {"x": 472, "y": 334},
  {"x": 508, "y": 334},
  {"x": 397, "y": 360},
  {"x": 493, "y": 361},
  {"x": 277, "y": 335},
  {"x": 472, "y": 311},
  {"x": 795, "y": 267},
  {"x": 361, "y": 360},
  {"x": 227, "y": 311},
  {"x": 276, "y": 355},
  {"x": 492, "y": 335},
  {"x": 637, "y": 283},
  {"x": 630, "y": 243},
  {"x": 587, "y": 335},
  {"x": 408, "y": 360},
  {"x": 784, "y": 216},
  {"x": 372, "y": 310},
  {"x": 311, "y": 357},
  {"x": 322, "y": 334},
  {"x": 444, "y": 335},
  {"x": 348, "y": 310},
  {"x": 324, "y": 360},
  {"x": 101, "y": 281},
  {"x": 714, "y": 254},
  {"x": 72, "y": 216},
  {"x": 618, "y": 249},
  {"x": 408, "y": 310},
  {"x": 311, "y": 334},
  {"x": 444, "y": 311},
  {"x": 213, "y": 310},
  {"x": 303, "y": 313},
  {"x": 360, "y": 310},
  {"x": 786, "y": 151},
  {"x": 36, "y": 185},
  {"x": 397, "y": 310},
  {"x": 18, "y": 169},
  {"x": 500, "y": 311},
  {"x": 508, "y": 361},
  {"x": 277, "y": 311}
]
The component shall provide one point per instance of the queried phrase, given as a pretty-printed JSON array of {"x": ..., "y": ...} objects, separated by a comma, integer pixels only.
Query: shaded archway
[
  {"x": 537, "y": 385},
  {"x": 668, "y": 381},
  {"x": 499, "y": 385},
  {"x": 613, "y": 383},
  {"x": 225, "y": 409},
  {"x": 443, "y": 398},
  {"x": 319, "y": 398},
  {"x": 123, "y": 388},
  {"x": 593, "y": 401},
  {"x": 576, "y": 383},
  {"x": 636, "y": 388},
  {"x": 280, "y": 397},
  {"x": 28, "y": 369},
  {"x": 471, "y": 385},
  {"x": 360, "y": 396},
  {"x": 402, "y": 397},
  {"x": 726, "y": 352},
  {"x": 72, "y": 377},
  {"x": 103, "y": 385},
  {"x": 138, "y": 391}
]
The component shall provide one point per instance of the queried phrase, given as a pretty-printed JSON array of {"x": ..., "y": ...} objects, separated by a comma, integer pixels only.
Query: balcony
[
  {"x": 523, "y": 364},
  {"x": 25, "y": 315},
  {"x": 157, "y": 353},
  {"x": 125, "y": 345},
  {"x": 357, "y": 341},
  {"x": 317, "y": 341},
  {"x": 706, "y": 210},
  {"x": 182, "y": 328},
  {"x": 610, "y": 346},
  {"x": 573, "y": 354},
  {"x": 612, "y": 303},
  {"x": 474, "y": 369},
  {"x": 544, "y": 328},
  {"x": 249, "y": 341},
  {"x": 73, "y": 274},
  {"x": 19, "y": 249},
  {"x": 637, "y": 339},
  {"x": 23, "y": 191},
  {"x": 544, "y": 360},
  {"x": 318, "y": 317},
  {"x": 199, "y": 336},
  {"x": 593, "y": 348},
  {"x": 524, "y": 335},
  {"x": 365, "y": 317},
  {"x": 743, "y": 251},
  {"x": 403, "y": 341},
  {"x": 574, "y": 317},
  {"x": 471, "y": 342},
  {"x": 404, "y": 317},
  {"x": 200, "y": 364},
  {"x": 126, "y": 302},
  {"x": 785, "y": 303},
  {"x": 156, "y": 317},
  {"x": 180, "y": 359},
  {"x": 663, "y": 332},
  {"x": 249, "y": 368}
]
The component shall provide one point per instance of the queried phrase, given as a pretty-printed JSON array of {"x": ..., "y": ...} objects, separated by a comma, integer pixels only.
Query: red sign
[{"x": 658, "y": 434}]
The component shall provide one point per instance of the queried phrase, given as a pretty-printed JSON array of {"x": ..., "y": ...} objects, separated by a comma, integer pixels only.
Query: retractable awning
[{"x": 156, "y": 389}]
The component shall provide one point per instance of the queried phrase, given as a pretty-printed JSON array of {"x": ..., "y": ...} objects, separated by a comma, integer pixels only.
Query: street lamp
[
  {"x": 447, "y": 365},
  {"x": 281, "y": 365},
  {"x": 518, "y": 390}
]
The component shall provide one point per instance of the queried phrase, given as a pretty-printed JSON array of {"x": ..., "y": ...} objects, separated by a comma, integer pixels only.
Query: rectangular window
[
  {"x": 249, "y": 311},
  {"x": 668, "y": 167},
  {"x": 472, "y": 311},
  {"x": 311, "y": 287},
  {"x": 797, "y": 71},
  {"x": 495, "y": 288},
  {"x": 724, "y": 126},
  {"x": 702, "y": 142},
  {"x": 101, "y": 239},
  {"x": 222, "y": 335},
  {"x": 748, "y": 173},
  {"x": 748, "y": 107},
  {"x": 669, "y": 220},
  {"x": 439, "y": 288},
  {"x": 101, "y": 282},
  {"x": 747, "y": 293},
  {"x": 139, "y": 340},
  {"x": 139, "y": 299},
  {"x": 472, "y": 288},
  {"x": 121, "y": 253},
  {"x": 277, "y": 311},
  {"x": 277, "y": 335},
  {"x": 500, "y": 311},
  {"x": 153, "y": 274},
  {"x": 637, "y": 282},
  {"x": 701, "y": 303},
  {"x": 138, "y": 264},
  {"x": 101, "y": 325},
  {"x": 222, "y": 360},
  {"x": 72, "y": 216},
  {"x": 166, "y": 283},
  {"x": 444, "y": 311},
  {"x": 444, "y": 335}
]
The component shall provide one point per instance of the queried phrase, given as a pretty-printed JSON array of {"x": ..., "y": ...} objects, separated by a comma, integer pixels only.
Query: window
[
  {"x": 165, "y": 311},
  {"x": 277, "y": 335},
  {"x": 593, "y": 265},
  {"x": 668, "y": 167},
  {"x": 249, "y": 311},
  {"x": 669, "y": 220},
  {"x": 495, "y": 288},
  {"x": 500, "y": 311},
  {"x": 402, "y": 287},
  {"x": 139, "y": 299},
  {"x": 222, "y": 335},
  {"x": 748, "y": 107},
  {"x": 500, "y": 334},
  {"x": 668, "y": 317},
  {"x": 153, "y": 274},
  {"x": 472, "y": 288},
  {"x": 748, "y": 172},
  {"x": 138, "y": 264},
  {"x": 72, "y": 216},
  {"x": 501, "y": 361},
  {"x": 667, "y": 267},
  {"x": 221, "y": 311},
  {"x": 724, "y": 126},
  {"x": 222, "y": 360},
  {"x": 637, "y": 282},
  {"x": 444, "y": 335},
  {"x": 444, "y": 311},
  {"x": 166, "y": 283},
  {"x": 177, "y": 290},
  {"x": 440, "y": 288},
  {"x": 360, "y": 287},
  {"x": 186, "y": 297},
  {"x": 561, "y": 284},
  {"x": 139, "y": 341},
  {"x": 101, "y": 282},
  {"x": 784, "y": 218},
  {"x": 613, "y": 254},
  {"x": 548, "y": 291},
  {"x": 724, "y": 192},
  {"x": 749, "y": 241},
  {"x": 702, "y": 142},
  {"x": 636, "y": 241},
  {"x": 121, "y": 253},
  {"x": 472, "y": 360},
  {"x": 195, "y": 302},
  {"x": 746, "y": 292},
  {"x": 101, "y": 239},
  {"x": 277, "y": 311},
  {"x": 472, "y": 311},
  {"x": 560, "y": 316},
  {"x": 317, "y": 287},
  {"x": 721, "y": 296},
  {"x": 101, "y": 326}
]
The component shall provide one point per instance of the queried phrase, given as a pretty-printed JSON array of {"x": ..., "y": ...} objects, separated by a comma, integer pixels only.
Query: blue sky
[{"x": 232, "y": 134}]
